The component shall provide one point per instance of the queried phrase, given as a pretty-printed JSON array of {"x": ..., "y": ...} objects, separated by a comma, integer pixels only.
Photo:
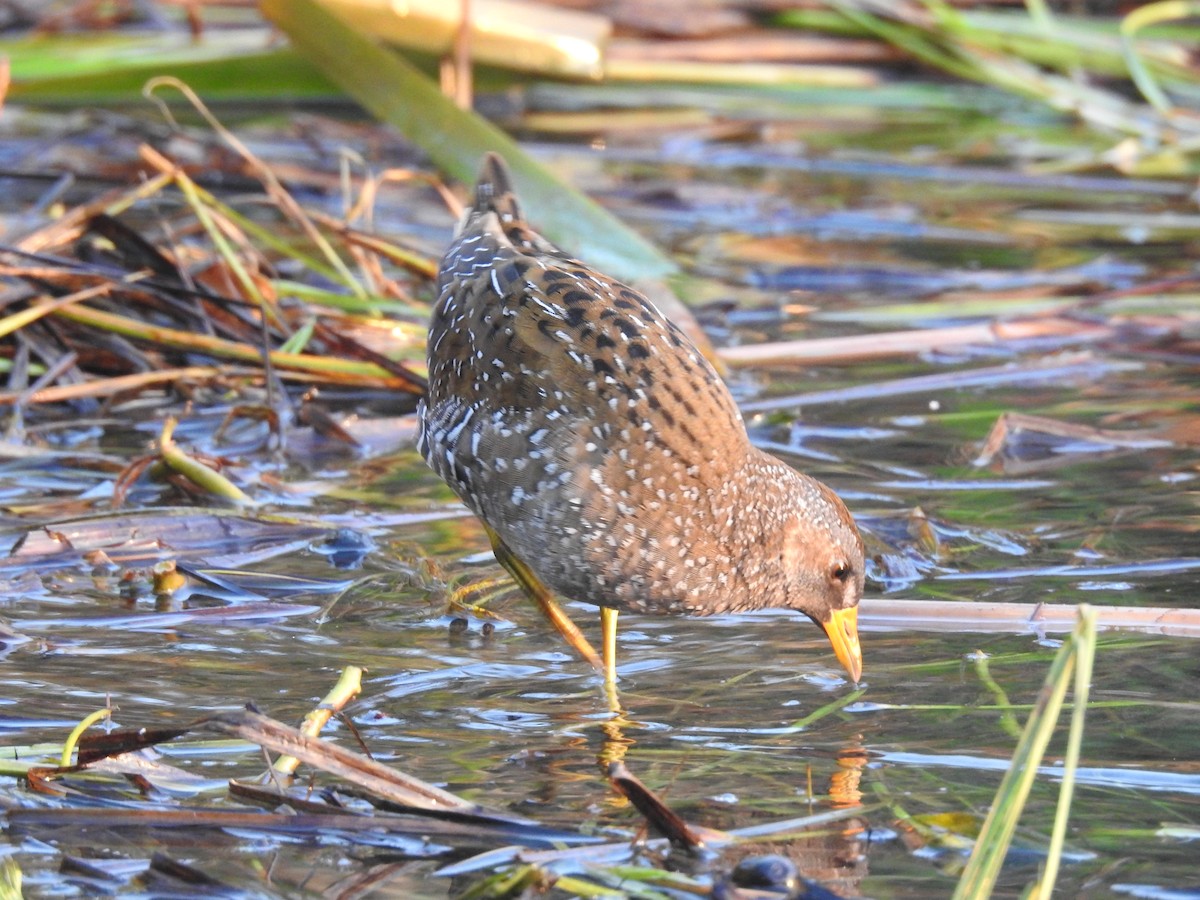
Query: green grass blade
[
  {"x": 828, "y": 709},
  {"x": 10, "y": 880},
  {"x": 112, "y": 68},
  {"x": 922, "y": 46},
  {"x": 1152, "y": 14},
  {"x": 94, "y": 54},
  {"x": 1008, "y": 721},
  {"x": 986, "y": 860},
  {"x": 1085, "y": 639}
]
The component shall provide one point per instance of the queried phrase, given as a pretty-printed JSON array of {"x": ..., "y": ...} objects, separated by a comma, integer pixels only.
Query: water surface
[{"x": 876, "y": 230}]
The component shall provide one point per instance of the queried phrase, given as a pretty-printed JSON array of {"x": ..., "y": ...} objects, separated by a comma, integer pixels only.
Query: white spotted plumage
[{"x": 606, "y": 452}]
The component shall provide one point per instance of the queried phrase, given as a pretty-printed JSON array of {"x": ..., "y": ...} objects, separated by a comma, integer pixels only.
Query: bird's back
[{"x": 577, "y": 421}]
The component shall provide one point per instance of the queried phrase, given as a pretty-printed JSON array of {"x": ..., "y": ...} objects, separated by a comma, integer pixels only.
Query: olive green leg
[
  {"x": 540, "y": 594},
  {"x": 608, "y": 629}
]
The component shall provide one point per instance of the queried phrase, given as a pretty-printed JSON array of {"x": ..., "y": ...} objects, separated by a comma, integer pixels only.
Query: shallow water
[{"x": 719, "y": 709}]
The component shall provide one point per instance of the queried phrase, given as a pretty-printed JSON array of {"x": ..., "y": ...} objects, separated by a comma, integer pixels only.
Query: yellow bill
[{"x": 842, "y": 629}]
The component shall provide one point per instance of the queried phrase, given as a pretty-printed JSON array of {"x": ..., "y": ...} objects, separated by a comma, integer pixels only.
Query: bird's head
[{"x": 822, "y": 560}]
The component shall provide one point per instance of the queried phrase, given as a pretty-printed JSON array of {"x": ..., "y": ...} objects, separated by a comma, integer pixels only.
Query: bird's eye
[{"x": 840, "y": 572}]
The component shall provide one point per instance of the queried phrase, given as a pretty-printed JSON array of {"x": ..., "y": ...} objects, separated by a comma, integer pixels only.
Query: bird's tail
[
  {"x": 495, "y": 196},
  {"x": 494, "y": 192}
]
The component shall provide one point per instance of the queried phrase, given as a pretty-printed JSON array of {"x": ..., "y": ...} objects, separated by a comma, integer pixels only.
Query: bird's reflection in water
[{"x": 831, "y": 856}]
